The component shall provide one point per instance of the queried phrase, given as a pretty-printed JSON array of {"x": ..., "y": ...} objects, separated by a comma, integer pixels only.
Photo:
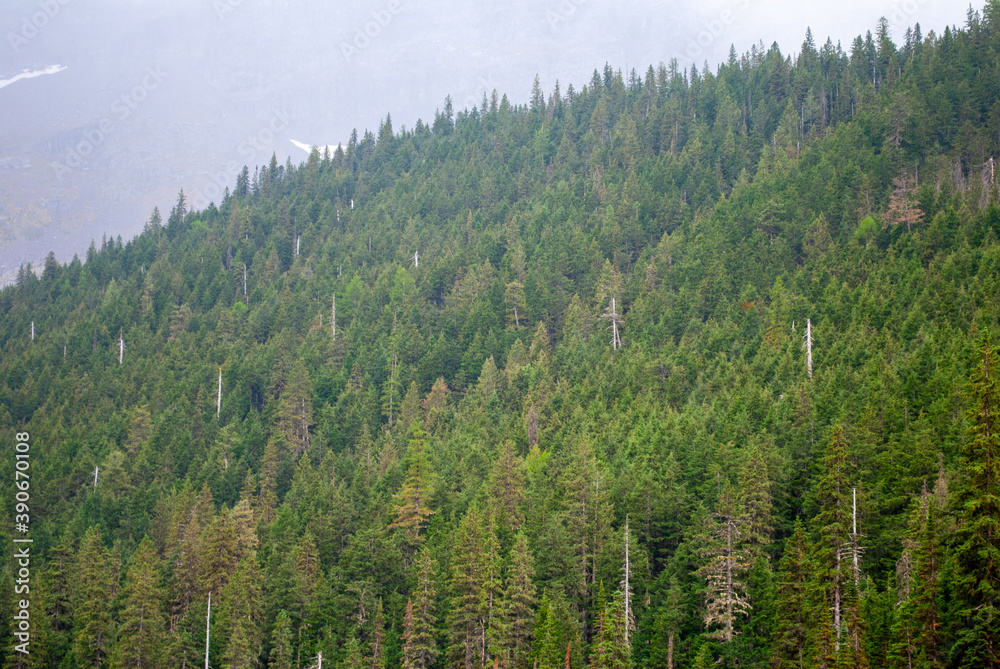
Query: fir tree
[
  {"x": 269, "y": 483},
  {"x": 468, "y": 584},
  {"x": 378, "y": 639},
  {"x": 352, "y": 652},
  {"x": 295, "y": 409},
  {"x": 241, "y": 615},
  {"x": 926, "y": 600},
  {"x": 613, "y": 650},
  {"x": 419, "y": 647},
  {"x": 755, "y": 500},
  {"x": 413, "y": 501},
  {"x": 833, "y": 524},
  {"x": 793, "y": 609},
  {"x": 142, "y": 623},
  {"x": 977, "y": 538},
  {"x": 511, "y": 631},
  {"x": 281, "y": 642},
  {"x": 725, "y": 564},
  {"x": 507, "y": 487},
  {"x": 95, "y": 580}
]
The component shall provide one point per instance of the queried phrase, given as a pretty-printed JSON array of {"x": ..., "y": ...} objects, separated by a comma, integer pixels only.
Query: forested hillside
[{"x": 683, "y": 368}]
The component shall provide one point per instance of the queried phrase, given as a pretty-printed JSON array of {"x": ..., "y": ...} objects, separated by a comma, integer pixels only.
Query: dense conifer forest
[{"x": 676, "y": 368}]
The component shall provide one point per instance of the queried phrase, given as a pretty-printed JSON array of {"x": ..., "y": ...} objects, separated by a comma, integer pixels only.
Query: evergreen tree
[
  {"x": 352, "y": 653},
  {"x": 419, "y": 647},
  {"x": 413, "y": 501},
  {"x": 725, "y": 564},
  {"x": 281, "y": 642},
  {"x": 95, "y": 584},
  {"x": 613, "y": 650},
  {"x": 834, "y": 525},
  {"x": 469, "y": 603},
  {"x": 378, "y": 639},
  {"x": 142, "y": 621},
  {"x": 269, "y": 483},
  {"x": 756, "y": 502},
  {"x": 703, "y": 660},
  {"x": 977, "y": 538},
  {"x": 295, "y": 414},
  {"x": 507, "y": 488},
  {"x": 241, "y": 615},
  {"x": 513, "y": 622},
  {"x": 926, "y": 599},
  {"x": 793, "y": 610}
]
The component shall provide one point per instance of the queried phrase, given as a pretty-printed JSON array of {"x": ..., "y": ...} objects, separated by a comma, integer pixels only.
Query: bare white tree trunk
[
  {"x": 32, "y": 330},
  {"x": 808, "y": 346},
  {"x": 96, "y": 472},
  {"x": 626, "y": 589},
  {"x": 612, "y": 315},
  {"x": 244, "y": 279},
  {"x": 614, "y": 323},
  {"x": 121, "y": 348},
  {"x": 208, "y": 627},
  {"x": 836, "y": 604},
  {"x": 729, "y": 580},
  {"x": 218, "y": 406},
  {"x": 855, "y": 549}
]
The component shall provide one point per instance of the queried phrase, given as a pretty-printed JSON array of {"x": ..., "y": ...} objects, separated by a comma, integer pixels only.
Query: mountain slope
[{"x": 445, "y": 478}]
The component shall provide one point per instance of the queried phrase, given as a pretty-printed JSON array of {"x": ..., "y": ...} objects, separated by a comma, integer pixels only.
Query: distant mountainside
[{"x": 670, "y": 369}]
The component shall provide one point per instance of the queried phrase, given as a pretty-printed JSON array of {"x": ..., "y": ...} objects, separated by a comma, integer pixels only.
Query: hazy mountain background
[{"x": 155, "y": 96}]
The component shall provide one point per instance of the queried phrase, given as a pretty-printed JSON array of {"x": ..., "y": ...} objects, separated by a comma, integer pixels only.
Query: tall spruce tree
[
  {"x": 413, "y": 508},
  {"x": 468, "y": 585},
  {"x": 95, "y": 585},
  {"x": 725, "y": 564},
  {"x": 241, "y": 615},
  {"x": 419, "y": 646},
  {"x": 612, "y": 648},
  {"x": 833, "y": 525},
  {"x": 513, "y": 622},
  {"x": 977, "y": 537},
  {"x": 142, "y": 621},
  {"x": 793, "y": 610},
  {"x": 281, "y": 655}
]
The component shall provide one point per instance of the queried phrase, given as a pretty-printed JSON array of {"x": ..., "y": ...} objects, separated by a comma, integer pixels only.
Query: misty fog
[{"x": 110, "y": 107}]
